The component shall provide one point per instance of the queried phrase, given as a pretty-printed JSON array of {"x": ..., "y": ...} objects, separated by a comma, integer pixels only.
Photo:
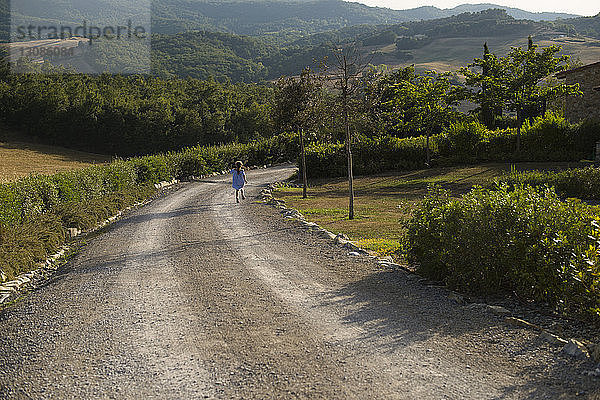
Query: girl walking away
[{"x": 239, "y": 180}]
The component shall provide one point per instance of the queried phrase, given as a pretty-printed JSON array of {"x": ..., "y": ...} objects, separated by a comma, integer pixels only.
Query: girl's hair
[{"x": 238, "y": 166}]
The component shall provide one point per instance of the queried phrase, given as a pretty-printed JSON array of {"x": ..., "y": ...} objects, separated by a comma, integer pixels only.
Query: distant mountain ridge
[
  {"x": 280, "y": 18},
  {"x": 430, "y": 12},
  {"x": 256, "y": 17}
]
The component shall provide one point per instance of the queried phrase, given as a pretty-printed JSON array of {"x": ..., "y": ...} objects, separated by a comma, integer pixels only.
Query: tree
[
  {"x": 295, "y": 102},
  {"x": 521, "y": 81},
  {"x": 486, "y": 76},
  {"x": 379, "y": 90},
  {"x": 349, "y": 66},
  {"x": 525, "y": 75},
  {"x": 426, "y": 103}
]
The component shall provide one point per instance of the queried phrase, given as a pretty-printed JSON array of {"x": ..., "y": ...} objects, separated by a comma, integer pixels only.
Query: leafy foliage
[
  {"x": 548, "y": 138},
  {"x": 521, "y": 82},
  {"x": 424, "y": 104},
  {"x": 536, "y": 245},
  {"x": 582, "y": 183},
  {"x": 132, "y": 115}
]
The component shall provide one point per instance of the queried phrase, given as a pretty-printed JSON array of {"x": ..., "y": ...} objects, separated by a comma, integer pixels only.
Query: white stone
[
  {"x": 499, "y": 310},
  {"x": 576, "y": 349},
  {"x": 328, "y": 235},
  {"x": 552, "y": 338},
  {"x": 6, "y": 289}
]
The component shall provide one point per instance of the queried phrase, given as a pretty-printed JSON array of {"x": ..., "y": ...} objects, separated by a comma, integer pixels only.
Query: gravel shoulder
[{"x": 194, "y": 296}]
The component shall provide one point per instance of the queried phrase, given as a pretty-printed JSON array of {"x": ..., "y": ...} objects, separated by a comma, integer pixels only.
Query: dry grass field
[
  {"x": 448, "y": 55},
  {"x": 19, "y": 158}
]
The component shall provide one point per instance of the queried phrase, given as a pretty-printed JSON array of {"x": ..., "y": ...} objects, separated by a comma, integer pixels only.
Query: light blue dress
[{"x": 238, "y": 179}]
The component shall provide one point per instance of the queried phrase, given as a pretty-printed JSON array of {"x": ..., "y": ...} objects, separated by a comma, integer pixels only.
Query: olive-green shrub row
[
  {"x": 583, "y": 183},
  {"x": 36, "y": 211},
  {"x": 505, "y": 240},
  {"x": 548, "y": 138}
]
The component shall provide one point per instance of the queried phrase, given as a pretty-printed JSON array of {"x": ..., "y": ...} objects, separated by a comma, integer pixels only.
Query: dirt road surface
[{"x": 194, "y": 296}]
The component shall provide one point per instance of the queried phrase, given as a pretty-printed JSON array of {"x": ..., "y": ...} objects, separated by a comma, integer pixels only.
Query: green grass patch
[
  {"x": 383, "y": 247},
  {"x": 384, "y": 203}
]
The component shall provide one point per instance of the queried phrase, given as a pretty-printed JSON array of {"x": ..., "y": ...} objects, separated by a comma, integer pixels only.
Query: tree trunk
[
  {"x": 428, "y": 163},
  {"x": 519, "y": 123},
  {"x": 303, "y": 157},
  {"x": 349, "y": 152}
]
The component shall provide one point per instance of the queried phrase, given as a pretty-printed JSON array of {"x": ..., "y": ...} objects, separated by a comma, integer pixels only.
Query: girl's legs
[
  {"x": 237, "y": 199},
  {"x": 243, "y": 197}
]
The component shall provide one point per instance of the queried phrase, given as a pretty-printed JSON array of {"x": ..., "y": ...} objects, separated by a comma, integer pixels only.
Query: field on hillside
[
  {"x": 450, "y": 54},
  {"x": 19, "y": 159},
  {"x": 385, "y": 202}
]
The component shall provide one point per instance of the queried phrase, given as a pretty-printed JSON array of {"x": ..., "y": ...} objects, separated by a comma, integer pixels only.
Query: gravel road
[{"x": 195, "y": 296}]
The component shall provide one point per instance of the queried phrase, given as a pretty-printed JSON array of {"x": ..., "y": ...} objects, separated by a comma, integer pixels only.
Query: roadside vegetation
[{"x": 479, "y": 229}]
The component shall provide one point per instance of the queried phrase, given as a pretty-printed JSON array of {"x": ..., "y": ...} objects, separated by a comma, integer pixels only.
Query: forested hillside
[
  {"x": 282, "y": 19},
  {"x": 201, "y": 54},
  {"x": 588, "y": 26}
]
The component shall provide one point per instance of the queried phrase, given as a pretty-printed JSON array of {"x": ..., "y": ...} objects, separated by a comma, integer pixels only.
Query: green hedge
[
  {"x": 583, "y": 183},
  {"x": 370, "y": 156},
  {"x": 37, "y": 194},
  {"x": 523, "y": 240},
  {"x": 548, "y": 138},
  {"x": 36, "y": 211}
]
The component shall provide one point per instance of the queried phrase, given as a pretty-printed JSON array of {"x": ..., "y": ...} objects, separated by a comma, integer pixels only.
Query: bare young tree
[
  {"x": 349, "y": 66},
  {"x": 295, "y": 102}
]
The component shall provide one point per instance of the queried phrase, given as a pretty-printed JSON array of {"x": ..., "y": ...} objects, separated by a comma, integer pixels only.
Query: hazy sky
[{"x": 581, "y": 7}]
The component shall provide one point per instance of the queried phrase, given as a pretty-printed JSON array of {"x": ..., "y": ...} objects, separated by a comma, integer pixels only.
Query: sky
[{"x": 581, "y": 7}]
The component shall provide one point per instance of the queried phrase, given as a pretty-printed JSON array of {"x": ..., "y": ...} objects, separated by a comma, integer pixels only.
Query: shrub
[
  {"x": 524, "y": 241},
  {"x": 585, "y": 135},
  {"x": 548, "y": 138},
  {"x": 583, "y": 183},
  {"x": 461, "y": 141},
  {"x": 370, "y": 156}
]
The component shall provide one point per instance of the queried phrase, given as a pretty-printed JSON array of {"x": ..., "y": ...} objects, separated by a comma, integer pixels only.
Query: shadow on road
[{"x": 389, "y": 305}]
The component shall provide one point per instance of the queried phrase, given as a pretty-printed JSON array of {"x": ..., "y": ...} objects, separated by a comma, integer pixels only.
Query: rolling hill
[
  {"x": 286, "y": 18},
  {"x": 444, "y": 44}
]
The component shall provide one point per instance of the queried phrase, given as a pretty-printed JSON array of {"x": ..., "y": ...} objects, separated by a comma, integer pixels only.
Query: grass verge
[
  {"x": 384, "y": 203},
  {"x": 24, "y": 246}
]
